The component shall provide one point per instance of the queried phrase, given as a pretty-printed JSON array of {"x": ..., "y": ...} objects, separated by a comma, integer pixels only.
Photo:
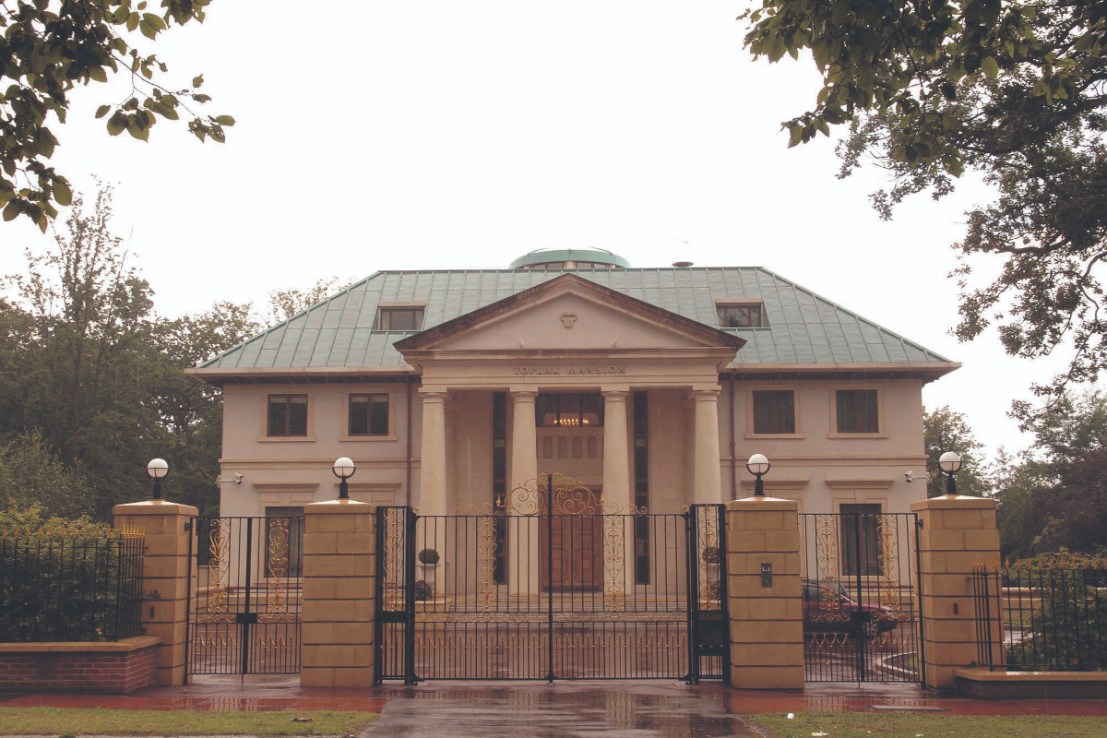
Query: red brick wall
[{"x": 111, "y": 673}]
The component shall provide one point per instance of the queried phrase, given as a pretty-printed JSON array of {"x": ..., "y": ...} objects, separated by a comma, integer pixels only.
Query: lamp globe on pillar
[
  {"x": 157, "y": 469},
  {"x": 758, "y": 466},
  {"x": 344, "y": 468},
  {"x": 950, "y": 463}
]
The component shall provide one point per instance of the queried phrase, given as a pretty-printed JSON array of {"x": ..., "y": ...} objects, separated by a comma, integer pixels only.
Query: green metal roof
[
  {"x": 804, "y": 329},
  {"x": 555, "y": 256}
]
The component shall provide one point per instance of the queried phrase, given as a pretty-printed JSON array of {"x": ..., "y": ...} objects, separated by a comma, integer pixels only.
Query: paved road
[{"x": 566, "y": 710}]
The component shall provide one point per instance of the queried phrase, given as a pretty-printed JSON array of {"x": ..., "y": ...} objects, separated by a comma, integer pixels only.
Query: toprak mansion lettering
[{"x": 572, "y": 369}]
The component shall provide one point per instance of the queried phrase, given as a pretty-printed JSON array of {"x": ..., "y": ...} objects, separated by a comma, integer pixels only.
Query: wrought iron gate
[
  {"x": 861, "y": 604},
  {"x": 551, "y": 584},
  {"x": 244, "y": 595}
]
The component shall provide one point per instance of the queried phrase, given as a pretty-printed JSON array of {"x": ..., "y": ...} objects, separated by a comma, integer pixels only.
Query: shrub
[
  {"x": 66, "y": 580},
  {"x": 428, "y": 556},
  {"x": 1068, "y": 628}
]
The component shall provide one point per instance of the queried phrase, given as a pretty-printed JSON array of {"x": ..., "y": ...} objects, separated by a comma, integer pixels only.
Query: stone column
[
  {"x": 339, "y": 600},
  {"x": 766, "y": 622},
  {"x": 958, "y": 534},
  {"x": 706, "y": 476},
  {"x": 523, "y": 531},
  {"x": 166, "y": 527},
  {"x": 432, "y": 458},
  {"x": 616, "y": 487},
  {"x": 524, "y": 439},
  {"x": 616, "y": 461}
]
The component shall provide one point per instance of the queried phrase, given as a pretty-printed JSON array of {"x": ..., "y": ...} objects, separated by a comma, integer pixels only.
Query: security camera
[
  {"x": 239, "y": 477},
  {"x": 909, "y": 476}
]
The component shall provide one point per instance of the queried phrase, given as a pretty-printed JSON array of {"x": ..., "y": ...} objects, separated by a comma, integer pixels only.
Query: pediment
[{"x": 569, "y": 314}]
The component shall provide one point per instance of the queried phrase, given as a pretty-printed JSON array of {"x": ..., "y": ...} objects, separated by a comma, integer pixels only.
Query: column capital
[
  {"x": 615, "y": 393},
  {"x": 706, "y": 394},
  {"x": 434, "y": 394},
  {"x": 523, "y": 393}
]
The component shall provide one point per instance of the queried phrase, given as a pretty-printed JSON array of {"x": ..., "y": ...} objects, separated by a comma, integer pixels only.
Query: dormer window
[
  {"x": 741, "y": 314},
  {"x": 399, "y": 318}
]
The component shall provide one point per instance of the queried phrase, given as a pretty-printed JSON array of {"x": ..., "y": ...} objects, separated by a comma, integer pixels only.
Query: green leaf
[
  {"x": 102, "y": 111},
  {"x": 990, "y": 67},
  {"x": 795, "y": 135},
  {"x": 13, "y": 210},
  {"x": 224, "y": 120},
  {"x": 98, "y": 74},
  {"x": 117, "y": 123},
  {"x": 198, "y": 80},
  {"x": 154, "y": 21},
  {"x": 62, "y": 194}
]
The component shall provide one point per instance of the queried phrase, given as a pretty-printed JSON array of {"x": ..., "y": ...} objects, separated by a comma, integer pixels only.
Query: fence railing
[
  {"x": 81, "y": 589},
  {"x": 1041, "y": 619}
]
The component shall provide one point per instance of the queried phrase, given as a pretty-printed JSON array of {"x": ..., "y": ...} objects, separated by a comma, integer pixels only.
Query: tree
[
  {"x": 47, "y": 48},
  {"x": 190, "y": 429},
  {"x": 84, "y": 384},
  {"x": 1012, "y": 90},
  {"x": 945, "y": 430},
  {"x": 31, "y": 475},
  {"x": 283, "y": 304},
  {"x": 1056, "y": 496}
]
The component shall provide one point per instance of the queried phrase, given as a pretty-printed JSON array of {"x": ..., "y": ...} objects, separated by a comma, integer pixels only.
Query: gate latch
[{"x": 766, "y": 575}]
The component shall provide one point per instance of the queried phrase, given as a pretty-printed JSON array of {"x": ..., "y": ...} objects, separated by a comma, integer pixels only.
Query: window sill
[
  {"x": 860, "y": 436},
  {"x": 775, "y": 436},
  {"x": 361, "y": 439},
  {"x": 286, "y": 439}
]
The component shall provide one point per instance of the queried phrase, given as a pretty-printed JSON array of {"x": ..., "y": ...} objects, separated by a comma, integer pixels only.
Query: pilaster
[
  {"x": 958, "y": 534},
  {"x": 164, "y": 612},
  {"x": 339, "y": 600},
  {"x": 766, "y": 617}
]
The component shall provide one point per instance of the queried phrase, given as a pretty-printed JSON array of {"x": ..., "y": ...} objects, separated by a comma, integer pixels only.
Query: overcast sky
[{"x": 433, "y": 134}]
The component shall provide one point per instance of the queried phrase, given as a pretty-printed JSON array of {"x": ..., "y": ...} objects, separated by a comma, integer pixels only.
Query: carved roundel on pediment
[{"x": 568, "y": 319}]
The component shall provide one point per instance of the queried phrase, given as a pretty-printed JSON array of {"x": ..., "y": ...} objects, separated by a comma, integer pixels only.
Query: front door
[{"x": 572, "y": 558}]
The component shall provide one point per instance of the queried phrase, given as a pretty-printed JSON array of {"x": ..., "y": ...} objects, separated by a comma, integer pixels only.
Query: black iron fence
[
  {"x": 861, "y": 606},
  {"x": 70, "y": 589},
  {"x": 535, "y": 595},
  {"x": 245, "y": 595},
  {"x": 1041, "y": 619}
]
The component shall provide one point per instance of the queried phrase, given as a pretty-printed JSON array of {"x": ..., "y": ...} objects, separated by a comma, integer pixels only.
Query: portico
[{"x": 618, "y": 346}]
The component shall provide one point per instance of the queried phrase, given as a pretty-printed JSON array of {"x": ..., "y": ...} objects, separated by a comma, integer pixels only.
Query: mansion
[{"x": 651, "y": 387}]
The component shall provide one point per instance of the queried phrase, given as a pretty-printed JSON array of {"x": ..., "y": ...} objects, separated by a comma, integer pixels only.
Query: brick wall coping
[
  {"x": 954, "y": 502},
  {"x": 155, "y": 507},
  {"x": 331, "y": 506},
  {"x": 126, "y": 645},
  {"x": 983, "y": 675}
]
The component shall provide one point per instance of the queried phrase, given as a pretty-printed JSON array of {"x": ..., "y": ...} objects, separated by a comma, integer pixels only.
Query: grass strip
[
  {"x": 927, "y": 725},
  {"x": 66, "y": 721}
]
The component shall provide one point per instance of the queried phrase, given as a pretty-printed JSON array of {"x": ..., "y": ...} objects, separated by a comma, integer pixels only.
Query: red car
[{"x": 827, "y": 607}]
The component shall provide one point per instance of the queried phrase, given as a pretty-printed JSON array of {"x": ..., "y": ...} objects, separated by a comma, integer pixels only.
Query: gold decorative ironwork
[
  {"x": 707, "y": 531},
  {"x": 393, "y": 554},
  {"x": 218, "y": 605},
  {"x": 888, "y": 559},
  {"x": 570, "y": 497},
  {"x": 614, "y": 562},
  {"x": 276, "y": 601},
  {"x": 829, "y": 606}
]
